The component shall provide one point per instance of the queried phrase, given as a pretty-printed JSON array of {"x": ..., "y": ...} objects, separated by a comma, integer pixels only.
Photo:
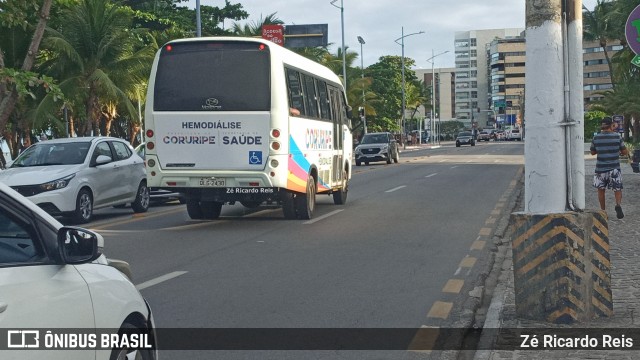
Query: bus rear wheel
[
  {"x": 289, "y": 206},
  {"x": 306, "y": 203},
  {"x": 211, "y": 209},
  {"x": 340, "y": 196},
  {"x": 194, "y": 210}
]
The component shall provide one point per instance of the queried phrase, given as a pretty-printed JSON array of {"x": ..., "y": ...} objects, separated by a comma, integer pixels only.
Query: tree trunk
[{"x": 9, "y": 102}]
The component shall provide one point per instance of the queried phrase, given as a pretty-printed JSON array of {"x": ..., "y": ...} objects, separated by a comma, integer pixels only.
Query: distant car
[
  {"x": 514, "y": 134},
  {"x": 160, "y": 195},
  {"x": 484, "y": 135},
  {"x": 74, "y": 176},
  {"x": 57, "y": 277},
  {"x": 500, "y": 135},
  {"x": 465, "y": 138},
  {"x": 380, "y": 146}
]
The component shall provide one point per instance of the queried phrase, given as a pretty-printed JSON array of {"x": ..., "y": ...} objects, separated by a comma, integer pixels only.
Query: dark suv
[{"x": 377, "y": 147}]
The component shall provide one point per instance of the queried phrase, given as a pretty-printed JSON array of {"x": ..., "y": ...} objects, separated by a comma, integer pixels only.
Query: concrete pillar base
[{"x": 561, "y": 265}]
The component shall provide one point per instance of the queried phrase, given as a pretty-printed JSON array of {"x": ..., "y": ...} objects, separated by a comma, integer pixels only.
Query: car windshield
[
  {"x": 464, "y": 134},
  {"x": 515, "y": 131},
  {"x": 375, "y": 139},
  {"x": 44, "y": 154}
]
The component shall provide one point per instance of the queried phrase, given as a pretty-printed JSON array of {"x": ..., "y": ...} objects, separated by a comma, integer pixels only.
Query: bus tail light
[
  {"x": 150, "y": 145},
  {"x": 274, "y": 163},
  {"x": 275, "y": 133},
  {"x": 149, "y": 133},
  {"x": 151, "y": 163},
  {"x": 275, "y": 145}
]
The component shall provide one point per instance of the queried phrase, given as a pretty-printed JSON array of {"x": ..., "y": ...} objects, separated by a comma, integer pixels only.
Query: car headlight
[
  {"x": 57, "y": 184},
  {"x": 358, "y": 151},
  {"x": 384, "y": 147}
]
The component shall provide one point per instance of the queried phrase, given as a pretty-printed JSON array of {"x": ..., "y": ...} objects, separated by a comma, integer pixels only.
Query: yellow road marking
[
  {"x": 490, "y": 220},
  {"x": 440, "y": 309},
  {"x": 453, "y": 286},
  {"x": 478, "y": 245},
  {"x": 468, "y": 262},
  {"x": 485, "y": 231},
  {"x": 425, "y": 339}
]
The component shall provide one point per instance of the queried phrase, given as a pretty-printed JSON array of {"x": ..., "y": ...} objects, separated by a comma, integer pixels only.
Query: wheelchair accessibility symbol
[{"x": 255, "y": 157}]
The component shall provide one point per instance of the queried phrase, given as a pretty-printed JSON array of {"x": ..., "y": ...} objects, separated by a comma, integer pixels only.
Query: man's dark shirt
[{"x": 607, "y": 145}]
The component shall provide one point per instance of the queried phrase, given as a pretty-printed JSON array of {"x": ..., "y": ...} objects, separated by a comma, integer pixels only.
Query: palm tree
[
  {"x": 98, "y": 59},
  {"x": 255, "y": 28},
  {"x": 598, "y": 26}
]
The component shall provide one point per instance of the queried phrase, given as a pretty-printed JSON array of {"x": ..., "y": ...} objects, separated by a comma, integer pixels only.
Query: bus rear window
[{"x": 213, "y": 76}]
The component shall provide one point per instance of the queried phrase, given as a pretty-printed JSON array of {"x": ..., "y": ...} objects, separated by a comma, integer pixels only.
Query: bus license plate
[{"x": 208, "y": 182}]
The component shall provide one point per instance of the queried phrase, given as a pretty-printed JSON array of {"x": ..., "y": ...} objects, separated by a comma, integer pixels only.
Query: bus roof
[{"x": 278, "y": 53}]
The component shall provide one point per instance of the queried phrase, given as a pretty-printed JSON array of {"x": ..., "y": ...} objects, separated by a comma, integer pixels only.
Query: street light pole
[
  {"x": 344, "y": 59},
  {"x": 403, "y": 81},
  {"x": 198, "y": 21},
  {"x": 364, "y": 100},
  {"x": 433, "y": 94}
]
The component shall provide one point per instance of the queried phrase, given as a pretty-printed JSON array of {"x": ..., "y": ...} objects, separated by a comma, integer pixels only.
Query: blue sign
[{"x": 255, "y": 157}]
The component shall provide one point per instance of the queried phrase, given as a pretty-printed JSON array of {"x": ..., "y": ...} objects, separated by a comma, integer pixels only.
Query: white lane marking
[
  {"x": 322, "y": 217},
  {"x": 160, "y": 279},
  {"x": 457, "y": 272},
  {"x": 442, "y": 161},
  {"x": 396, "y": 188},
  {"x": 453, "y": 167},
  {"x": 434, "y": 174}
]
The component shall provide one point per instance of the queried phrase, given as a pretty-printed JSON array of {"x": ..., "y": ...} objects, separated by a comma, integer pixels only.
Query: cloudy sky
[{"x": 380, "y": 22}]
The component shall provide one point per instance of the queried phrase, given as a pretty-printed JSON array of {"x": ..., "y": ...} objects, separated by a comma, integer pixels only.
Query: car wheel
[
  {"x": 366, "y": 163},
  {"x": 141, "y": 203},
  {"x": 306, "y": 203},
  {"x": 289, "y": 206},
  {"x": 457, "y": 144},
  {"x": 340, "y": 196},
  {"x": 84, "y": 207},
  {"x": 473, "y": 143},
  {"x": 396, "y": 158},
  {"x": 358, "y": 163},
  {"x": 126, "y": 353},
  {"x": 194, "y": 210},
  {"x": 389, "y": 157},
  {"x": 211, "y": 209}
]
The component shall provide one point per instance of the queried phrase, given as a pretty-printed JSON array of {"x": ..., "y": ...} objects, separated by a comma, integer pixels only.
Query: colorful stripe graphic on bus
[{"x": 298, "y": 170}]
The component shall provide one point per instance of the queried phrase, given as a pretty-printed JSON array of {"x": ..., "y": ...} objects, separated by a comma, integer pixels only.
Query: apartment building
[
  {"x": 472, "y": 79},
  {"x": 597, "y": 77},
  {"x": 444, "y": 83},
  {"x": 507, "y": 59}
]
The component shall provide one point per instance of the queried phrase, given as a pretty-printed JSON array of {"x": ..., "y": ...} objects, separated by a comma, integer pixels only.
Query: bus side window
[
  {"x": 295, "y": 93},
  {"x": 310, "y": 96},
  {"x": 325, "y": 113}
]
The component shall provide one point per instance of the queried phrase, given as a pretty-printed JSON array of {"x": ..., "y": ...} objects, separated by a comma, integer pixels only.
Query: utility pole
[{"x": 555, "y": 231}]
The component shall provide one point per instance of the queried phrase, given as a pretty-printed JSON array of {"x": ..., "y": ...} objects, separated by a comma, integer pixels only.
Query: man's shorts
[{"x": 608, "y": 180}]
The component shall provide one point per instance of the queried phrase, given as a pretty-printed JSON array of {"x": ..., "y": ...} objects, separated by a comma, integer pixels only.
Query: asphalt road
[{"x": 404, "y": 252}]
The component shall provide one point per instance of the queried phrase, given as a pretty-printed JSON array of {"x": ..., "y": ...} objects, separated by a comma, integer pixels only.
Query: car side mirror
[
  {"x": 78, "y": 245},
  {"x": 103, "y": 159}
]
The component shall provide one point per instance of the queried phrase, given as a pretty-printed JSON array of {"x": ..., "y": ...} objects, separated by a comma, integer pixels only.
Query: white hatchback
[
  {"x": 56, "y": 277},
  {"x": 73, "y": 176}
]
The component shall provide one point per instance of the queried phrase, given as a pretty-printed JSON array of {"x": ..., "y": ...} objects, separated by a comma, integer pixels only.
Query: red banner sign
[{"x": 274, "y": 33}]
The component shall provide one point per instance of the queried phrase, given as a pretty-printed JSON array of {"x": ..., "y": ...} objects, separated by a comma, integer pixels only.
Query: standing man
[{"x": 608, "y": 145}]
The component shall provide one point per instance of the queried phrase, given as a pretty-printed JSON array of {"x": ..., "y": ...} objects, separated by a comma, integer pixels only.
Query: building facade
[
  {"x": 472, "y": 75},
  {"x": 506, "y": 59},
  {"x": 597, "y": 77}
]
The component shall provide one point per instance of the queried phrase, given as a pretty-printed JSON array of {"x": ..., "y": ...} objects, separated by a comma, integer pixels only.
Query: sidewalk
[{"x": 624, "y": 237}]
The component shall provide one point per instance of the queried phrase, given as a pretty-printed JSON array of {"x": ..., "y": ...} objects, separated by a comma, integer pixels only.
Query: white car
[
  {"x": 73, "y": 176},
  {"x": 514, "y": 134},
  {"x": 55, "y": 277}
]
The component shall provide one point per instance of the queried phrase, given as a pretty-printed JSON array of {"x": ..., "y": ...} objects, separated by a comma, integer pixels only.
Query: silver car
[{"x": 73, "y": 176}]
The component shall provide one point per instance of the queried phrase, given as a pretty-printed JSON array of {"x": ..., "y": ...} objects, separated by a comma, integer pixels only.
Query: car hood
[
  {"x": 369, "y": 146},
  {"x": 35, "y": 175}
]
